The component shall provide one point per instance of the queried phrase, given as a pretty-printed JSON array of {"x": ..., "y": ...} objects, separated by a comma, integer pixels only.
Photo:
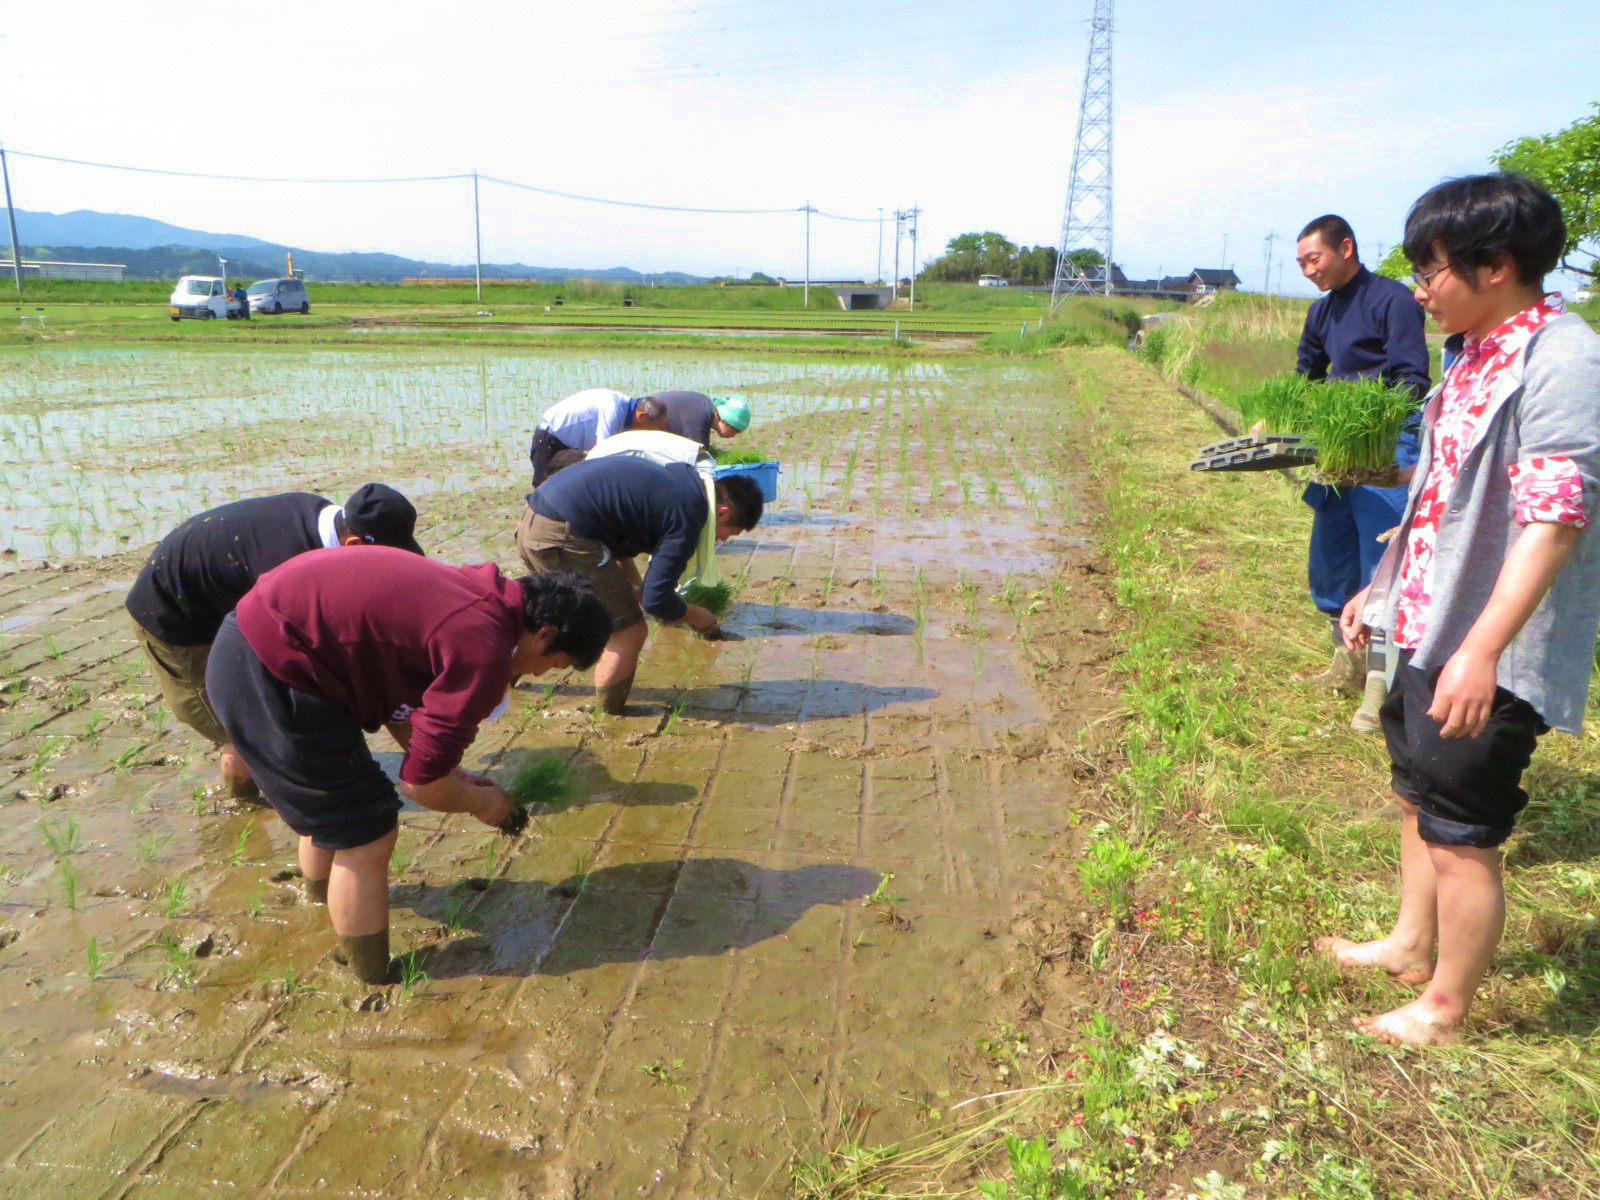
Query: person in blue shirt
[{"x": 1364, "y": 325}]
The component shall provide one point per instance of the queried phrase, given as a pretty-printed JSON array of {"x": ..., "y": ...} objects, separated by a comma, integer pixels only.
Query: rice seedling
[
  {"x": 545, "y": 782},
  {"x": 173, "y": 892},
  {"x": 412, "y": 977},
  {"x": 125, "y": 759},
  {"x": 62, "y": 841},
  {"x": 95, "y": 960},
  {"x": 716, "y": 597},
  {"x": 456, "y": 906},
  {"x": 237, "y": 856},
  {"x": 1357, "y": 424},
  {"x": 180, "y": 961},
  {"x": 732, "y": 456},
  {"x": 1281, "y": 404},
  {"x": 199, "y": 799},
  {"x": 400, "y": 860}
]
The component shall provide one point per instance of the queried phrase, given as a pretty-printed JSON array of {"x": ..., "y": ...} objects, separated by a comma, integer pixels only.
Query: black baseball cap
[{"x": 381, "y": 515}]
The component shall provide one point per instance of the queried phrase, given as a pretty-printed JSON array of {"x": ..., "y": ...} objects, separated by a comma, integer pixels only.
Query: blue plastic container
[{"x": 764, "y": 473}]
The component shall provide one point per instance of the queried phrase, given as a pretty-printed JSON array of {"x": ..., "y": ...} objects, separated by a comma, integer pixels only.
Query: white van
[
  {"x": 202, "y": 297},
  {"x": 279, "y": 295},
  {"x": 993, "y": 281}
]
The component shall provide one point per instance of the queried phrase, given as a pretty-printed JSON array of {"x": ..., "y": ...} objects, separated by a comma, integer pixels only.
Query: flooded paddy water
[{"x": 777, "y": 911}]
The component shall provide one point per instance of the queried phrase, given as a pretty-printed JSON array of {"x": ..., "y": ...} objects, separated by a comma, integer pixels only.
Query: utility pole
[
  {"x": 1224, "y": 263},
  {"x": 895, "y": 282},
  {"x": 11, "y": 218},
  {"x": 1086, "y": 223},
  {"x": 914, "y": 214},
  {"x": 477, "y": 238},
  {"x": 805, "y": 295},
  {"x": 1266, "y": 283},
  {"x": 878, "y": 278}
]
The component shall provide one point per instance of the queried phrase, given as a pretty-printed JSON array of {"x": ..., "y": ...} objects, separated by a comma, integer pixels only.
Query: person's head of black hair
[
  {"x": 567, "y": 603},
  {"x": 1333, "y": 230},
  {"x": 1484, "y": 220},
  {"x": 742, "y": 495}
]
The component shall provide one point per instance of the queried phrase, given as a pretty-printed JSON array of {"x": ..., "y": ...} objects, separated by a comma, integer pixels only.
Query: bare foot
[
  {"x": 1416, "y": 1024},
  {"x": 1403, "y": 965}
]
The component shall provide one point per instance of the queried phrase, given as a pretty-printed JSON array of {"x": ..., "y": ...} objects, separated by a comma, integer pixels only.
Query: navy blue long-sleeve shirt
[
  {"x": 631, "y": 506},
  {"x": 1372, "y": 325}
]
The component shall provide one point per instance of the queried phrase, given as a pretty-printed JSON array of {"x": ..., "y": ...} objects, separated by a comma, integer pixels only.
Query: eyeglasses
[{"x": 1424, "y": 279}]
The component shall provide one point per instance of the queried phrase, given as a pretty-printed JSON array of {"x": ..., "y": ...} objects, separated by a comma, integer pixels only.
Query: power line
[
  {"x": 80, "y": 162},
  {"x": 511, "y": 183}
]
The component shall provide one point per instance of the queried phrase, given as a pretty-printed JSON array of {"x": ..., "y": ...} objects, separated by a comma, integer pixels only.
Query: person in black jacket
[
  {"x": 1365, "y": 325},
  {"x": 200, "y": 571},
  {"x": 594, "y": 517}
]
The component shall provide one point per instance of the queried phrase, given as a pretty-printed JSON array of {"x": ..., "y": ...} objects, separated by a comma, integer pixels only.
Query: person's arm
[
  {"x": 1310, "y": 359},
  {"x": 459, "y": 792},
  {"x": 1465, "y": 691}
]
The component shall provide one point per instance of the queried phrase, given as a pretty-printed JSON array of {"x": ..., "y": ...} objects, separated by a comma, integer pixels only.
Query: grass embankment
[
  {"x": 1238, "y": 820},
  {"x": 1229, "y": 345},
  {"x": 1174, "y": 1034}
]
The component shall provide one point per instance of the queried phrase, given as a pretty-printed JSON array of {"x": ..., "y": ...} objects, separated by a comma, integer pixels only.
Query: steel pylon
[{"x": 1086, "y": 223}]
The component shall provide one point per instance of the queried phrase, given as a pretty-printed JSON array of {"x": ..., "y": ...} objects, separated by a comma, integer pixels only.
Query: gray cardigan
[{"x": 1546, "y": 402}]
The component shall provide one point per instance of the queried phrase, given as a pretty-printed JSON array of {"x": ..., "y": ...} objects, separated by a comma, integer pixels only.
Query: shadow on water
[
  {"x": 776, "y": 701},
  {"x": 763, "y": 620},
  {"x": 679, "y": 909}
]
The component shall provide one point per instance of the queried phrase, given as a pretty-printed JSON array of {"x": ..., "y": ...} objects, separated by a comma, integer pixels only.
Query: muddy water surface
[{"x": 778, "y": 906}]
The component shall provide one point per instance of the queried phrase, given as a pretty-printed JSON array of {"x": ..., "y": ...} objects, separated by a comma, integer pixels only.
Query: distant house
[{"x": 1202, "y": 281}]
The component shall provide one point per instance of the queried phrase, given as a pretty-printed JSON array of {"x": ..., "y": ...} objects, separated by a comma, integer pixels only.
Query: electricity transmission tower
[{"x": 1086, "y": 224}]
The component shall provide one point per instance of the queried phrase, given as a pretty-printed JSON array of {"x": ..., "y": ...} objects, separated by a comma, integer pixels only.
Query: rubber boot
[
  {"x": 367, "y": 956},
  {"x": 1348, "y": 670},
  {"x": 317, "y": 891},
  {"x": 244, "y": 791},
  {"x": 613, "y": 698},
  {"x": 1372, "y": 698}
]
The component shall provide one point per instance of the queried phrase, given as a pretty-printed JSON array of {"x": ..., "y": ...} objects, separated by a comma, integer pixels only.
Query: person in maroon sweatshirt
[{"x": 329, "y": 647}]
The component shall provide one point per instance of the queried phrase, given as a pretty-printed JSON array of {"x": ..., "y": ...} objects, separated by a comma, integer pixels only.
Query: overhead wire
[{"x": 510, "y": 183}]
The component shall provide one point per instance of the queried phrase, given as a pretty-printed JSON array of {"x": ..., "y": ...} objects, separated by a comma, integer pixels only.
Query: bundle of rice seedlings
[
  {"x": 1355, "y": 425},
  {"x": 717, "y": 597},
  {"x": 543, "y": 781},
  {"x": 730, "y": 457},
  {"x": 1281, "y": 404}
]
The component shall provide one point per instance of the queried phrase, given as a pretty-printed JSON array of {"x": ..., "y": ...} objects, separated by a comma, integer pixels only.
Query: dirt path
[{"x": 777, "y": 913}]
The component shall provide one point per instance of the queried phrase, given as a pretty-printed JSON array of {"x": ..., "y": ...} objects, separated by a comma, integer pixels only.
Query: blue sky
[{"x": 1238, "y": 118}]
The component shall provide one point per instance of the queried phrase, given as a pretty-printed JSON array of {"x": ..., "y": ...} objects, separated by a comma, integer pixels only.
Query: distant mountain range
[{"x": 155, "y": 249}]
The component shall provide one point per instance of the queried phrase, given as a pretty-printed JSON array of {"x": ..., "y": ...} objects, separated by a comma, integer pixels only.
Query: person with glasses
[
  {"x": 1490, "y": 589},
  {"x": 1364, "y": 325}
]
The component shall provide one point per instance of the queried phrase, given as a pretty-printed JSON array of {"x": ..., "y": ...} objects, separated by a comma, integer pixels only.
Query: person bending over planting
[
  {"x": 596, "y": 515},
  {"x": 696, "y": 416},
  {"x": 327, "y": 648},
  {"x": 1491, "y": 588},
  {"x": 199, "y": 571},
  {"x": 1365, "y": 326},
  {"x": 571, "y": 427}
]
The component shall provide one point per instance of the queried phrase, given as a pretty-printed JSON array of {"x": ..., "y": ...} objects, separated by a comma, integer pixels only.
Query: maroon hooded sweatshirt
[{"x": 391, "y": 636}]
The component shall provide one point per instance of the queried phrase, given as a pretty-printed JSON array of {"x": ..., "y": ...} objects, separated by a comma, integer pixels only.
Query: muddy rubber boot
[
  {"x": 1377, "y": 691},
  {"x": 613, "y": 698},
  {"x": 1346, "y": 673},
  {"x": 317, "y": 891},
  {"x": 367, "y": 956},
  {"x": 243, "y": 791}
]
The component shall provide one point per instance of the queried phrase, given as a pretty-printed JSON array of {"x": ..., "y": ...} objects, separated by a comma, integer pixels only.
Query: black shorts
[
  {"x": 308, "y": 755},
  {"x": 1469, "y": 789}
]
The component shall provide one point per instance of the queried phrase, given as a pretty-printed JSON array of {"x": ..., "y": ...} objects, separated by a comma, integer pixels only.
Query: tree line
[{"x": 973, "y": 254}]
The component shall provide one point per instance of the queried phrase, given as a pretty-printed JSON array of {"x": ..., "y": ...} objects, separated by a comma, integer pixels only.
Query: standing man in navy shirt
[{"x": 1365, "y": 325}]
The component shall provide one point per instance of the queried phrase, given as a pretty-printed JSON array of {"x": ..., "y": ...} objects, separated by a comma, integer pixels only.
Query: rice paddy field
[{"x": 771, "y": 907}]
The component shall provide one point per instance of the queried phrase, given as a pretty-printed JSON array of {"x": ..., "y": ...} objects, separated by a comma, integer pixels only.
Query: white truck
[{"x": 203, "y": 297}]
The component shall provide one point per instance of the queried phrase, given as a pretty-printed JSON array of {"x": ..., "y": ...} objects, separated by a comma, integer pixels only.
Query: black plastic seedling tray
[{"x": 1255, "y": 452}]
